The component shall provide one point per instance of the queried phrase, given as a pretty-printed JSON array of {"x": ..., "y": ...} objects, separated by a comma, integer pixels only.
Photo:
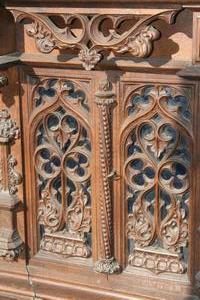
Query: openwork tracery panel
[
  {"x": 157, "y": 168},
  {"x": 62, "y": 167},
  {"x": 96, "y": 33}
]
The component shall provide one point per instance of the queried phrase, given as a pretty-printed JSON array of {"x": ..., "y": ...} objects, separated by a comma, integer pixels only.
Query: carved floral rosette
[
  {"x": 157, "y": 167},
  {"x": 62, "y": 166},
  {"x": 138, "y": 39}
]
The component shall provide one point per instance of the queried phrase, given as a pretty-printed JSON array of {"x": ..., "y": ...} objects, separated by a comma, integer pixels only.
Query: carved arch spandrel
[
  {"x": 157, "y": 155},
  {"x": 64, "y": 197},
  {"x": 91, "y": 42}
]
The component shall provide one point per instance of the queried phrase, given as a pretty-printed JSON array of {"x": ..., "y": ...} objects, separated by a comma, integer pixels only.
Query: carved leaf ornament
[{"x": 92, "y": 40}]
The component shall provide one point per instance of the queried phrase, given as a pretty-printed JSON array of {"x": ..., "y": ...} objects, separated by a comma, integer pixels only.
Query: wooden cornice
[{"x": 55, "y": 2}]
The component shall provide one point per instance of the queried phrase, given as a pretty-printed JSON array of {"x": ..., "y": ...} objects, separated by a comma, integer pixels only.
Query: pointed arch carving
[
  {"x": 60, "y": 136},
  {"x": 157, "y": 138}
]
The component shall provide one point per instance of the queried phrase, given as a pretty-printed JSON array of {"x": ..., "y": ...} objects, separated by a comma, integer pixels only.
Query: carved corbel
[
  {"x": 105, "y": 99},
  {"x": 138, "y": 40},
  {"x": 10, "y": 241}
]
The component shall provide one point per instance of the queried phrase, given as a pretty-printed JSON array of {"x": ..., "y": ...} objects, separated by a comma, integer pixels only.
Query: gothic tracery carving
[
  {"x": 138, "y": 40},
  {"x": 158, "y": 157},
  {"x": 62, "y": 163}
]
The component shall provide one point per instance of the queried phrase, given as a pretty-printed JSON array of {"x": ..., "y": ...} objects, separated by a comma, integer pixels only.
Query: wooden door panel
[
  {"x": 156, "y": 146},
  {"x": 57, "y": 130}
]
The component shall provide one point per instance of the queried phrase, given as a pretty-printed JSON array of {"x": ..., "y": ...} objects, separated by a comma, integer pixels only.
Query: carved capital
[
  {"x": 92, "y": 42},
  {"x": 8, "y": 129},
  {"x": 105, "y": 94}
]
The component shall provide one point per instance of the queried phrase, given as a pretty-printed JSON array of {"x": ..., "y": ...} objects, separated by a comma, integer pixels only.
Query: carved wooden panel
[
  {"x": 94, "y": 34},
  {"x": 60, "y": 162},
  {"x": 157, "y": 151}
]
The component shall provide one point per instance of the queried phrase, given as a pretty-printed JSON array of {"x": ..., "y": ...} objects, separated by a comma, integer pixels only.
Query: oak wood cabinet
[{"x": 99, "y": 149}]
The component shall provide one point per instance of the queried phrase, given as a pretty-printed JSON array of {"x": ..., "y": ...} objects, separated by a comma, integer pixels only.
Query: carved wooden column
[
  {"x": 105, "y": 98},
  {"x": 10, "y": 241}
]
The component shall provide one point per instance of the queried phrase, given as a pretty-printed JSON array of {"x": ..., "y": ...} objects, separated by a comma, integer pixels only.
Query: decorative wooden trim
[
  {"x": 157, "y": 262},
  {"x": 138, "y": 40},
  {"x": 105, "y": 98},
  {"x": 196, "y": 39},
  {"x": 10, "y": 242}
]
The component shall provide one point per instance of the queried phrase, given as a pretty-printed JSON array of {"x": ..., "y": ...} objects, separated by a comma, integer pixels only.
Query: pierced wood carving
[
  {"x": 157, "y": 167},
  {"x": 62, "y": 163},
  {"x": 91, "y": 40},
  {"x": 105, "y": 98},
  {"x": 11, "y": 244}
]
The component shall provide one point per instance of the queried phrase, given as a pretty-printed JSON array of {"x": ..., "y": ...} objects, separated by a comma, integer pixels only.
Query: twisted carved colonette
[{"x": 105, "y": 99}]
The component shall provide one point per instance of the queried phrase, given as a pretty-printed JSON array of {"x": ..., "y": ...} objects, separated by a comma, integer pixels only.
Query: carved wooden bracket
[
  {"x": 10, "y": 241},
  {"x": 91, "y": 41},
  {"x": 105, "y": 98}
]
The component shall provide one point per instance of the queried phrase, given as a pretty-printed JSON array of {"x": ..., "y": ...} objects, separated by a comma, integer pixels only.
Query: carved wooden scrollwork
[
  {"x": 11, "y": 244},
  {"x": 62, "y": 164},
  {"x": 105, "y": 98},
  {"x": 138, "y": 40},
  {"x": 157, "y": 168}
]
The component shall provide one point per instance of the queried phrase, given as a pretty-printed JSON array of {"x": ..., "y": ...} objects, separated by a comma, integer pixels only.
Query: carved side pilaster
[
  {"x": 105, "y": 98},
  {"x": 10, "y": 241}
]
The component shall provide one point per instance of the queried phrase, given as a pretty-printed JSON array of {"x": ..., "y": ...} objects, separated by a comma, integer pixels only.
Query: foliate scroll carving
[
  {"x": 15, "y": 177},
  {"x": 8, "y": 129},
  {"x": 11, "y": 244},
  {"x": 105, "y": 98},
  {"x": 62, "y": 164},
  {"x": 137, "y": 39},
  {"x": 157, "y": 167}
]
